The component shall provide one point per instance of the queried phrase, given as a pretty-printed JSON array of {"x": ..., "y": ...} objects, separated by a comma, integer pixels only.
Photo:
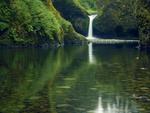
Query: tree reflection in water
[{"x": 63, "y": 80}]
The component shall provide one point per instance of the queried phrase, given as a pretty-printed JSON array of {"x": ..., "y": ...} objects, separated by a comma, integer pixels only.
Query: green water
[{"x": 65, "y": 80}]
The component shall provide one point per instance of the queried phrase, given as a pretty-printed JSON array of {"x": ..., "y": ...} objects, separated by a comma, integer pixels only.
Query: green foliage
[
  {"x": 71, "y": 10},
  {"x": 88, "y": 5},
  {"x": 33, "y": 22}
]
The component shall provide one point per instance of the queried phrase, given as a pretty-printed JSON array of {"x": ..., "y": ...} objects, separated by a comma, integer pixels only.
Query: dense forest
[{"x": 55, "y": 22}]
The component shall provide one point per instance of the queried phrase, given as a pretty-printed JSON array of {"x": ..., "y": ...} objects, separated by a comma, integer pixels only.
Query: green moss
[
  {"x": 33, "y": 22},
  {"x": 88, "y": 5},
  {"x": 76, "y": 14}
]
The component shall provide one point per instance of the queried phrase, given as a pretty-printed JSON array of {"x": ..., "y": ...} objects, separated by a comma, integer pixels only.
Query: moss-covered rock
[{"x": 36, "y": 22}]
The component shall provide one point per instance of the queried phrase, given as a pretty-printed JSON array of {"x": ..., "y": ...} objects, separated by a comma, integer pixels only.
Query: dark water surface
[{"x": 108, "y": 79}]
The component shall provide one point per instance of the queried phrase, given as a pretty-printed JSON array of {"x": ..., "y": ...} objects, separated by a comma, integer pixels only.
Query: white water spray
[
  {"x": 90, "y": 36},
  {"x": 90, "y": 32}
]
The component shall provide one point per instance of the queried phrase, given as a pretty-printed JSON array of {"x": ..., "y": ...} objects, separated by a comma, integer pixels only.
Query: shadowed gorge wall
[
  {"x": 116, "y": 19},
  {"x": 72, "y": 11},
  {"x": 143, "y": 15}
]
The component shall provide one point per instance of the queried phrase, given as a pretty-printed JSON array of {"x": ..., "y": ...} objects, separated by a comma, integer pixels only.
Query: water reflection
[
  {"x": 92, "y": 59},
  {"x": 114, "y": 107},
  {"x": 100, "y": 108},
  {"x": 62, "y": 81}
]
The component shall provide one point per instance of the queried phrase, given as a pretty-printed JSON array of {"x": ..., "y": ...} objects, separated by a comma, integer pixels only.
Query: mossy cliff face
[
  {"x": 36, "y": 22},
  {"x": 143, "y": 15},
  {"x": 72, "y": 11}
]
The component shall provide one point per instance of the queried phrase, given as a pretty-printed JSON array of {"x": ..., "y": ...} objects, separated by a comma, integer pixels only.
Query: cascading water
[
  {"x": 93, "y": 39},
  {"x": 90, "y": 32},
  {"x": 90, "y": 36}
]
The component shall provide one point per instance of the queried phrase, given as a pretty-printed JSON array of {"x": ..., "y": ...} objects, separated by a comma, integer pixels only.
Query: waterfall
[
  {"x": 90, "y": 36},
  {"x": 90, "y": 32}
]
